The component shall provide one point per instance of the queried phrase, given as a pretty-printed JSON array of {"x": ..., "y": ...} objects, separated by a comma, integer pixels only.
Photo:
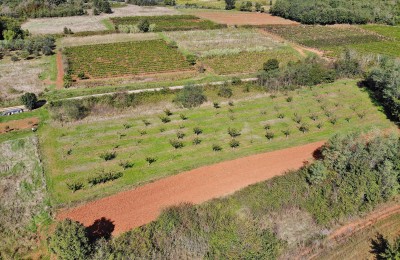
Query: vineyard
[
  {"x": 169, "y": 22},
  {"x": 336, "y": 39},
  {"x": 125, "y": 58},
  {"x": 158, "y": 143}
]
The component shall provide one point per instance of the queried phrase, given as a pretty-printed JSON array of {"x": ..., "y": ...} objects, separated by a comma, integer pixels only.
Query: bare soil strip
[
  {"x": 142, "y": 205},
  {"x": 244, "y": 18},
  {"x": 18, "y": 124},
  {"x": 60, "y": 72}
]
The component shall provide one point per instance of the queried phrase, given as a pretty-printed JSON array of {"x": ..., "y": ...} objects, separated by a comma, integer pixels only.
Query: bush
[
  {"x": 216, "y": 105},
  {"x": 246, "y": 6},
  {"x": 216, "y": 148},
  {"x": 176, "y": 144},
  {"x": 196, "y": 141},
  {"x": 230, "y": 4},
  {"x": 165, "y": 119},
  {"x": 234, "y": 143},
  {"x": 151, "y": 160},
  {"x": 144, "y": 25},
  {"x": 225, "y": 91},
  {"x": 104, "y": 177},
  {"x": 233, "y": 132},
  {"x": 75, "y": 186},
  {"x": 167, "y": 112},
  {"x": 197, "y": 130},
  {"x": 191, "y": 96},
  {"x": 269, "y": 135},
  {"x": 180, "y": 135},
  {"x": 183, "y": 116},
  {"x": 270, "y": 65},
  {"x": 29, "y": 100},
  {"x": 316, "y": 173},
  {"x": 107, "y": 156},
  {"x": 192, "y": 59},
  {"x": 70, "y": 241},
  {"x": 126, "y": 165}
]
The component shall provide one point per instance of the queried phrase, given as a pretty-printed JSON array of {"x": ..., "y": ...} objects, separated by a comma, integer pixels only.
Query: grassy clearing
[
  {"x": 73, "y": 151},
  {"x": 245, "y": 62},
  {"x": 125, "y": 58},
  {"x": 105, "y": 39},
  {"x": 358, "y": 246},
  {"x": 222, "y": 42},
  {"x": 334, "y": 39},
  {"x": 169, "y": 22},
  {"x": 24, "y": 203}
]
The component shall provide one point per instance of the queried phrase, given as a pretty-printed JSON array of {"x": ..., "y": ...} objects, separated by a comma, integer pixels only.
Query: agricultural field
[
  {"x": 106, "y": 39},
  {"x": 247, "y": 62},
  {"x": 91, "y": 22},
  {"x": 335, "y": 39},
  {"x": 24, "y": 202},
  {"x": 123, "y": 147},
  {"x": 125, "y": 58},
  {"x": 168, "y": 23},
  {"x": 222, "y": 42},
  {"x": 216, "y": 4},
  {"x": 25, "y": 76}
]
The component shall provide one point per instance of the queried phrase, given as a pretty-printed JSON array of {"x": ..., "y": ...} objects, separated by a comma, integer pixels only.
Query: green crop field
[
  {"x": 369, "y": 39},
  {"x": 73, "y": 152},
  {"x": 169, "y": 22},
  {"x": 245, "y": 62},
  {"x": 125, "y": 58}
]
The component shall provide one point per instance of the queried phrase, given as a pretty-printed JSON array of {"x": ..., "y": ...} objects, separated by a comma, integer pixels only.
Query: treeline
[
  {"x": 53, "y": 8},
  {"x": 355, "y": 173},
  {"x": 338, "y": 11},
  {"x": 28, "y": 47}
]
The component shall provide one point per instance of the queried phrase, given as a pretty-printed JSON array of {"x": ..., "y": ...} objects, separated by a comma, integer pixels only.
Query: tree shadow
[
  {"x": 317, "y": 154},
  {"x": 40, "y": 103},
  {"x": 378, "y": 246},
  {"x": 101, "y": 228}
]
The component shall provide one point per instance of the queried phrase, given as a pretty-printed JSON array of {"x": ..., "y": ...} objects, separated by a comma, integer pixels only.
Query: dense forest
[{"x": 338, "y": 11}]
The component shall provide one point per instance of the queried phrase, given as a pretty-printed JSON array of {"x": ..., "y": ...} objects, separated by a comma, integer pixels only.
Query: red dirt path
[
  {"x": 142, "y": 205},
  {"x": 60, "y": 72},
  {"x": 244, "y": 18}
]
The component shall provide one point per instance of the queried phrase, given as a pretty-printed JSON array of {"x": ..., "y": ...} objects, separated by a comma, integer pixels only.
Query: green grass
[
  {"x": 245, "y": 62},
  {"x": 87, "y": 141},
  {"x": 169, "y": 22},
  {"x": 108, "y": 24},
  {"x": 125, "y": 58}
]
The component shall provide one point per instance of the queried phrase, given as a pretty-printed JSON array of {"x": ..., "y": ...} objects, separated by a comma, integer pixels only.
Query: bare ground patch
[{"x": 244, "y": 18}]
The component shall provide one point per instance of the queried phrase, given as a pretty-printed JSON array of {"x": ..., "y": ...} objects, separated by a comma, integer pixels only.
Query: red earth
[
  {"x": 139, "y": 206},
  {"x": 244, "y": 18},
  {"x": 18, "y": 124}
]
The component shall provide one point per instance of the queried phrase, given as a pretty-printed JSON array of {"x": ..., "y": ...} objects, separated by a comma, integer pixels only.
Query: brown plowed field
[
  {"x": 139, "y": 206},
  {"x": 18, "y": 124},
  {"x": 244, "y": 18},
  {"x": 60, "y": 71}
]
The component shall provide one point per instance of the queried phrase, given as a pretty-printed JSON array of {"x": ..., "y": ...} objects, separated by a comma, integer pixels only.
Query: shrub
[
  {"x": 297, "y": 118},
  {"x": 216, "y": 148},
  {"x": 225, "y": 91},
  {"x": 191, "y": 96},
  {"x": 196, "y": 141},
  {"x": 176, "y": 144},
  {"x": 70, "y": 241},
  {"x": 304, "y": 128},
  {"x": 75, "y": 186},
  {"x": 270, "y": 65},
  {"x": 236, "y": 81},
  {"x": 167, "y": 112},
  {"x": 234, "y": 143},
  {"x": 126, "y": 164},
  {"x": 233, "y": 132},
  {"x": 246, "y": 6},
  {"x": 281, "y": 115},
  {"x": 216, "y": 105},
  {"x": 107, "y": 156},
  {"x": 180, "y": 135},
  {"x": 269, "y": 135},
  {"x": 192, "y": 59},
  {"x": 316, "y": 173},
  {"x": 104, "y": 177},
  {"x": 146, "y": 122},
  {"x": 230, "y": 4},
  {"x": 267, "y": 126},
  {"x": 151, "y": 160},
  {"x": 165, "y": 119},
  {"x": 81, "y": 75},
  {"x": 29, "y": 100},
  {"x": 231, "y": 104},
  {"x": 289, "y": 99},
  {"x": 144, "y": 25},
  {"x": 183, "y": 116},
  {"x": 286, "y": 132},
  {"x": 197, "y": 130}
]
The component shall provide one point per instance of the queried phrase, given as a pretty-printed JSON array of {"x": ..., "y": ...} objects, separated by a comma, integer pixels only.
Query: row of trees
[
  {"x": 338, "y": 11},
  {"x": 356, "y": 172}
]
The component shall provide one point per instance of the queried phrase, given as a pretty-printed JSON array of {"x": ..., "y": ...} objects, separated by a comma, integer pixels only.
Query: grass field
[
  {"x": 358, "y": 246},
  {"x": 247, "y": 62},
  {"x": 125, "y": 58},
  {"x": 24, "y": 203},
  {"x": 169, "y": 22},
  {"x": 108, "y": 38},
  {"x": 222, "y": 42},
  {"x": 370, "y": 39},
  {"x": 73, "y": 151}
]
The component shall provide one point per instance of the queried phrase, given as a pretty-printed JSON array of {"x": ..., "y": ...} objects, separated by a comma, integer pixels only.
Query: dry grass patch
[
  {"x": 109, "y": 38},
  {"x": 90, "y": 22}
]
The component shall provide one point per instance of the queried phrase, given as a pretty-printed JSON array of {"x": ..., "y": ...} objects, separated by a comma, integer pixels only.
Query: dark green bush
[
  {"x": 104, "y": 177},
  {"x": 191, "y": 96}
]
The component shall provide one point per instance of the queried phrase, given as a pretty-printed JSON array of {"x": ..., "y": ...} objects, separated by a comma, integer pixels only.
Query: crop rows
[
  {"x": 169, "y": 22},
  {"x": 125, "y": 58}
]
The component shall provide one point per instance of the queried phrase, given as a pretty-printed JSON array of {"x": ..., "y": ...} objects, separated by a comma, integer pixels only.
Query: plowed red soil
[
  {"x": 244, "y": 18},
  {"x": 142, "y": 205},
  {"x": 18, "y": 124}
]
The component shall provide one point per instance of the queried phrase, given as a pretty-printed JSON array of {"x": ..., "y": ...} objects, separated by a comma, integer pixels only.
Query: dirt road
[
  {"x": 142, "y": 205},
  {"x": 60, "y": 71}
]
